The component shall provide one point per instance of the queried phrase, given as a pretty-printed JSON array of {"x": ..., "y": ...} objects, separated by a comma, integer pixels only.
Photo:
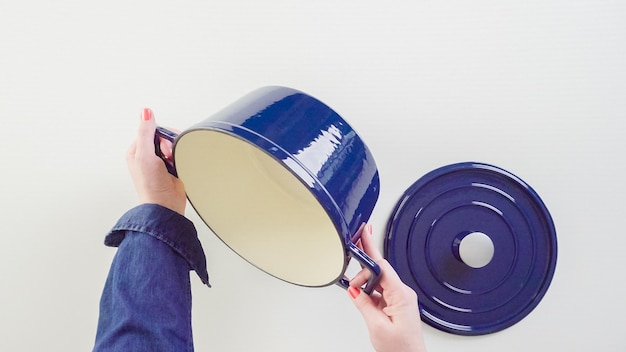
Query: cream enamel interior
[{"x": 259, "y": 208}]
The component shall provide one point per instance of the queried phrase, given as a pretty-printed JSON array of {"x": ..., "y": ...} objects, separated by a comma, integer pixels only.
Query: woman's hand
[
  {"x": 391, "y": 313},
  {"x": 152, "y": 181}
]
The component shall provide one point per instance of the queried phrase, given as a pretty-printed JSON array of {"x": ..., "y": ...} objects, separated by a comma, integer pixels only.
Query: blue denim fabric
[{"x": 146, "y": 301}]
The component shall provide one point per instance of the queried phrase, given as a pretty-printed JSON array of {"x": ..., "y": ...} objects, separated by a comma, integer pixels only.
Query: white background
[{"x": 535, "y": 87}]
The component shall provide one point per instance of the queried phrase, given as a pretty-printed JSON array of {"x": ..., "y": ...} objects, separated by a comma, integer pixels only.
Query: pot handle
[
  {"x": 170, "y": 136},
  {"x": 367, "y": 263}
]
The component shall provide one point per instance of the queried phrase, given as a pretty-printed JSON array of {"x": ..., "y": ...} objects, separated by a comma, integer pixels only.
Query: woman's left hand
[{"x": 153, "y": 183}]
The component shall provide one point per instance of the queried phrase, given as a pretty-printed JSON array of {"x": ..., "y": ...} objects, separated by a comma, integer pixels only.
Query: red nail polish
[
  {"x": 146, "y": 114},
  {"x": 354, "y": 291}
]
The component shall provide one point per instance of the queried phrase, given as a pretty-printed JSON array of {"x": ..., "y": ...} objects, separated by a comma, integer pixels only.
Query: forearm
[{"x": 146, "y": 301}]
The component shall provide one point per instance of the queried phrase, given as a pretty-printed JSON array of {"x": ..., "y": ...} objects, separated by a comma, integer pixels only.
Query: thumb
[
  {"x": 145, "y": 133},
  {"x": 366, "y": 306}
]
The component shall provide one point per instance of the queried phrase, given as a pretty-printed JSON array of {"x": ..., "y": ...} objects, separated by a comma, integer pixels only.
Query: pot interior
[{"x": 259, "y": 208}]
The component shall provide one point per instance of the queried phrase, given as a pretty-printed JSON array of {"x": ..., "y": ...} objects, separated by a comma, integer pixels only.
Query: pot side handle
[
  {"x": 170, "y": 136},
  {"x": 367, "y": 263}
]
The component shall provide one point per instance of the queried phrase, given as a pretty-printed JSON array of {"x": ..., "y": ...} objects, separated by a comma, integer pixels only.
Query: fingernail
[
  {"x": 369, "y": 228},
  {"x": 354, "y": 291},
  {"x": 146, "y": 114}
]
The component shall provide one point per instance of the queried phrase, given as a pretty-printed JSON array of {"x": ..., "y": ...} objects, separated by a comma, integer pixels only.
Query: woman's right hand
[{"x": 391, "y": 313}]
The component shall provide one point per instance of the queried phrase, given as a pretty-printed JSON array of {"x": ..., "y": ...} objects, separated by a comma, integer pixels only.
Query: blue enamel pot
[{"x": 283, "y": 181}]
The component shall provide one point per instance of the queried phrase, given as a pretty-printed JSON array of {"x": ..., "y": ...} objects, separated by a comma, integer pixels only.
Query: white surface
[{"x": 535, "y": 87}]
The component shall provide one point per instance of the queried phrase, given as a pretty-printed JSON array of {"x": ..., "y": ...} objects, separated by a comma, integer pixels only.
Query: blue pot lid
[{"x": 426, "y": 237}]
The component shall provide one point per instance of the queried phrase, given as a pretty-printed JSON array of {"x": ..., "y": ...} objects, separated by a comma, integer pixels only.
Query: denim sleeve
[{"x": 146, "y": 301}]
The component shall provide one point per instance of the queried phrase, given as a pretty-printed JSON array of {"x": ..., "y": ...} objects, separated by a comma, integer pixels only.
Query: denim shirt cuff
[{"x": 166, "y": 225}]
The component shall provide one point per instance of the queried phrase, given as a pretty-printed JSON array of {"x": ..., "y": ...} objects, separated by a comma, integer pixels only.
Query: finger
[
  {"x": 363, "y": 277},
  {"x": 367, "y": 306},
  {"x": 166, "y": 148},
  {"x": 366, "y": 244},
  {"x": 359, "y": 232},
  {"x": 360, "y": 278},
  {"x": 145, "y": 133},
  {"x": 369, "y": 246},
  {"x": 389, "y": 279}
]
